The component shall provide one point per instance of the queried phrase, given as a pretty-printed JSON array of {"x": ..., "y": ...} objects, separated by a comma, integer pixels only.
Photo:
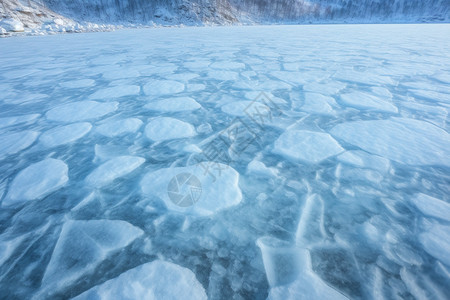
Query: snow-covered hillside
[{"x": 80, "y": 15}]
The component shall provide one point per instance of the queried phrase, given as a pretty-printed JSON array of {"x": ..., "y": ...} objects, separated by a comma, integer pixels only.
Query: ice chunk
[
  {"x": 14, "y": 142},
  {"x": 165, "y": 128},
  {"x": 327, "y": 88},
  {"x": 431, "y": 206},
  {"x": 436, "y": 241},
  {"x": 82, "y": 246},
  {"x": 201, "y": 189},
  {"x": 311, "y": 227},
  {"x": 362, "y": 100},
  {"x": 174, "y": 104},
  {"x": 64, "y": 134},
  {"x": 403, "y": 140},
  {"x": 307, "y": 146},
  {"x": 76, "y": 84},
  {"x": 116, "y": 92},
  {"x": 319, "y": 104},
  {"x": 363, "y": 159},
  {"x": 113, "y": 169},
  {"x": 155, "y": 280},
  {"x": 227, "y": 65},
  {"x": 81, "y": 111},
  {"x": 242, "y": 108},
  {"x": 11, "y": 25},
  {"x": 289, "y": 272},
  {"x": 36, "y": 181},
  {"x": 259, "y": 168},
  {"x": 119, "y": 127},
  {"x": 10, "y": 121},
  {"x": 183, "y": 76},
  {"x": 223, "y": 75},
  {"x": 163, "y": 87}
]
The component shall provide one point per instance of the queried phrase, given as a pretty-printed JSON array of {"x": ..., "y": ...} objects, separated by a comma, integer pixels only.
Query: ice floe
[
  {"x": 289, "y": 272},
  {"x": 15, "y": 120},
  {"x": 81, "y": 111},
  {"x": 201, "y": 189},
  {"x": 154, "y": 280},
  {"x": 12, "y": 143},
  {"x": 112, "y": 128},
  {"x": 82, "y": 246},
  {"x": 165, "y": 128},
  {"x": 113, "y": 169},
  {"x": 403, "y": 140},
  {"x": 361, "y": 100},
  {"x": 436, "y": 241},
  {"x": 306, "y": 146},
  {"x": 244, "y": 108},
  {"x": 431, "y": 206},
  {"x": 163, "y": 87},
  {"x": 173, "y": 104},
  {"x": 76, "y": 84},
  {"x": 64, "y": 134},
  {"x": 319, "y": 104},
  {"x": 36, "y": 181},
  {"x": 116, "y": 92}
]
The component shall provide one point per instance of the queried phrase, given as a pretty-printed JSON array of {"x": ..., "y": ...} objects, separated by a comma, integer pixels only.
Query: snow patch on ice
[
  {"x": 116, "y": 92},
  {"x": 14, "y": 142},
  {"x": 15, "y": 120},
  {"x": 163, "y": 87},
  {"x": 431, "y": 206},
  {"x": 436, "y": 241}
]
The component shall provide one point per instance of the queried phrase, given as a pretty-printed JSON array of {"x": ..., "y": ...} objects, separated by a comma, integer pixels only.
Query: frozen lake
[{"x": 257, "y": 162}]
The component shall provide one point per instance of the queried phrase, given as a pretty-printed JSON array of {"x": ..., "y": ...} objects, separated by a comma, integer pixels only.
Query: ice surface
[
  {"x": 163, "y": 87},
  {"x": 353, "y": 165},
  {"x": 155, "y": 280},
  {"x": 81, "y": 111},
  {"x": 113, "y": 169},
  {"x": 36, "y": 181},
  {"x": 431, "y": 206},
  {"x": 306, "y": 146},
  {"x": 11, "y": 121},
  {"x": 15, "y": 142},
  {"x": 436, "y": 241},
  {"x": 64, "y": 134},
  {"x": 113, "y": 128},
  {"x": 319, "y": 104},
  {"x": 216, "y": 187},
  {"x": 173, "y": 104},
  {"x": 243, "y": 108},
  {"x": 362, "y": 100},
  {"x": 289, "y": 272},
  {"x": 82, "y": 246},
  {"x": 116, "y": 92},
  {"x": 165, "y": 128},
  {"x": 403, "y": 140},
  {"x": 76, "y": 84}
]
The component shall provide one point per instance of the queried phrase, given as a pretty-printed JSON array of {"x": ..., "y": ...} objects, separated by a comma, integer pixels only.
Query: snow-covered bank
[{"x": 38, "y": 17}]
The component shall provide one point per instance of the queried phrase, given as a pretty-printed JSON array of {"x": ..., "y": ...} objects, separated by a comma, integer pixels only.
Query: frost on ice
[{"x": 154, "y": 280}]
